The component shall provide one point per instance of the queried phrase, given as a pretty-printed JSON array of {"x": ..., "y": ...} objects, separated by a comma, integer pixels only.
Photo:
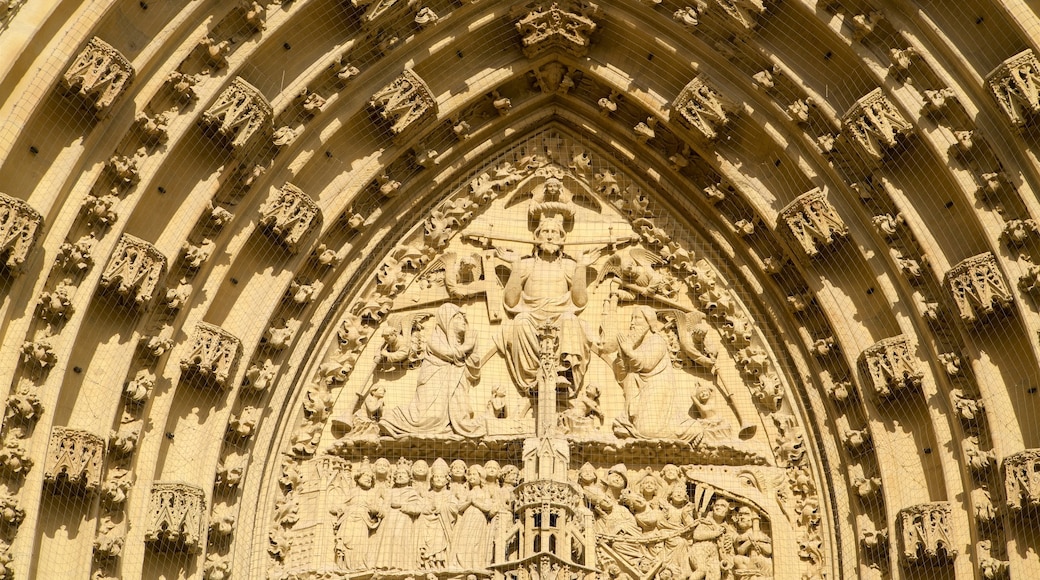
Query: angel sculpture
[{"x": 635, "y": 268}]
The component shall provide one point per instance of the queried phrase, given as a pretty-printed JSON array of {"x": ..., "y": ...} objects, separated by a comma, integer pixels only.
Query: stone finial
[
  {"x": 891, "y": 367},
  {"x": 978, "y": 287},
  {"x": 289, "y": 215},
  {"x": 1021, "y": 479},
  {"x": 874, "y": 125},
  {"x": 74, "y": 457},
  {"x": 100, "y": 73},
  {"x": 812, "y": 222},
  {"x": 240, "y": 113},
  {"x": 699, "y": 107},
  {"x": 175, "y": 515},
  {"x": 925, "y": 536},
  {"x": 406, "y": 102},
  {"x": 565, "y": 25},
  {"x": 20, "y": 225},
  {"x": 134, "y": 270},
  {"x": 1015, "y": 83},
  {"x": 213, "y": 353}
]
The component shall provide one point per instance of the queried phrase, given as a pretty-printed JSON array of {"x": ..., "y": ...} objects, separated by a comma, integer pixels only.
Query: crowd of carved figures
[{"x": 421, "y": 516}]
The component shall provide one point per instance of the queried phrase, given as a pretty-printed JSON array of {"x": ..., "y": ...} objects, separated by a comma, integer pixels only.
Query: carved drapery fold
[
  {"x": 874, "y": 125},
  {"x": 20, "y": 225},
  {"x": 213, "y": 353},
  {"x": 1015, "y": 84},
  {"x": 566, "y": 26},
  {"x": 978, "y": 287},
  {"x": 239, "y": 114},
  {"x": 891, "y": 367},
  {"x": 289, "y": 215},
  {"x": 175, "y": 517},
  {"x": 1022, "y": 479},
  {"x": 406, "y": 102},
  {"x": 74, "y": 457},
  {"x": 925, "y": 535},
  {"x": 812, "y": 222},
  {"x": 699, "y": 107},
  {"x": 100, "y": 73},
  {"x": 134, "y": 271}
]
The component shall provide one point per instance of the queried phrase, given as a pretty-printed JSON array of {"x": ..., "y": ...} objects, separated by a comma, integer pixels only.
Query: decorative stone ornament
[
  {"x": 699, "y": 107},
  {"x": 978, "y": 287},
  {"x": 874, "y": 125},
  {"x": 239, "y": 114},
  {"x": 213, "y": 354},
  {"x": 1015, "y": 83},
  {"x": 1022, "y": 480},
  {"x": 891, "y": 367},
  {"x": 812, "y": 222},
  {"x": 924, "y": 534},
  {"x": 100, "y": 73},
  {"x": 406, "y": 102},
  {"x": 75, "y": 458},
  {"x": 20, "y": 225},
  {"x": 175, "y": 517},
  {"x": 134, "y": 271},
  {"x": 565, "y": 25},
  {"x": 289, "y": 215}
]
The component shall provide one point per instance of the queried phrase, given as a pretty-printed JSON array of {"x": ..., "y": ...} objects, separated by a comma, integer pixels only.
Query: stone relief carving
[
  {"x": 176, "y": 513},
  {"x": 1022, "y": 480},
  {"x": 20, "y": 225},
  {"x": 1015, "y": 84},
  {"x": 239, "y": 114},
  {"x": 213, "y": 354},
  {"x": 701, "y": 108},
  {"x": 978, "y": 287},
  {"x": 99, "y": 73},
  {"x": 289, "y": 215},
  {"x": 891, "y": 367},
  {"x": 924, "y": 534},
  {"x": 74, "y": 458},
  {"x": 566, "y": 25},
  {"x": 874, "y": 125},
  {"x": 134, "y": 270},
  {"x": 405, "y": 102},
  {"x": 812, "y": 222}
]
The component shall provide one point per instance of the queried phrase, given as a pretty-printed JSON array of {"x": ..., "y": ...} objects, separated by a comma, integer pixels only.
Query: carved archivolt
[
  {"x": 700, "y": 108},
  {"x": 925, "y": 538},
  {"x": 99, "y": 73},
  {"x": 978, "y": 287},
  {"x": 566, "y": 25},
  {"x": 19, "y": 227},
  {"x": 406, "y": 102},
  {"x": 874, "y": 126},
  {"x": 1022, "y": 480},
  {"x": 812, "y": 222},
  {"x": 213, "y": 354},
  {"x": 240, "y": 114},
  {"x": 1015, "y": 84},
  {"x": 891, "y": 367}
]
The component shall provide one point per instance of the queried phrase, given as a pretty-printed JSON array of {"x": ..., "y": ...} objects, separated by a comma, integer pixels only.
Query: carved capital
[
  {"x": 20, "y": 225},
  {"x": 1015, "y": 83},
  {"x": 175, "y": 516},
  {"x": 1022, "y": 479},
  {"x": 924, "y": 534},
  {"x": 891, "y": 367},
  {"x": 874, "y": 125},
  {"x": 289, "y": 215},
  {"x": 213, "y": 353},
  {"x": 134, "y": 271},
  {"x": 565, "y": 25},
  {"x": 978, "y": 287},
  {"x": 699, "y": 107},
  {"x": 812, "y": 223},
  {"x": 99, "y": 73},
  {"x": 405, "y": 102},
  {"x": 74, "y": 457},
  {"x": 239, "y": 114}
]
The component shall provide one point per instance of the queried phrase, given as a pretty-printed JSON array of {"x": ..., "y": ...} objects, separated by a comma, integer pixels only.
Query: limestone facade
[{"x": 568, "y": 289}]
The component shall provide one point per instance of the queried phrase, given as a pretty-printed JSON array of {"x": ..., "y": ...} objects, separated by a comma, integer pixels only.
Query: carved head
[
  {"x": 670, "y": 473},
  {"x": 420, "y": 470},
  {"x": 587, "y": 474},
  {"x": 720, "y": 509},
  {"x": 458, "y": 469},
  {"x": 381, "y": 468},
  {"x": 511, "y": 475},
  {"x": 402, "y": 476},
  {"x": 617, "y": 477},
  {"x": 677, "y": 496},
  {"x": 648, "y": 486},
  {"x": 492, "y": 470},
  {"x": 365, "y": 479},
  {"x": 550, "y": 233},
  {"x": 475, "y": 476},
  {"x": 744, "y": 519}
]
